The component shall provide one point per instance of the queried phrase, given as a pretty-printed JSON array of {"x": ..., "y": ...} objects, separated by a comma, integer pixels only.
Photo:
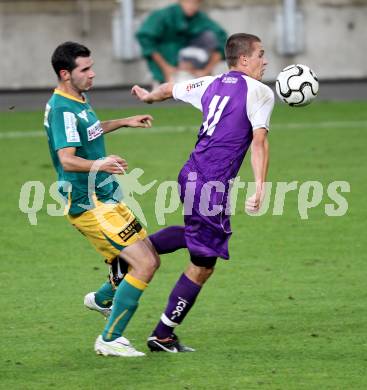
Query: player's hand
[
  {"x": 113, "y": 164},
  {"x": 141, "y": 93},
  {"x": 139, "y": 121},
  {"x": 254, "y": 202}
]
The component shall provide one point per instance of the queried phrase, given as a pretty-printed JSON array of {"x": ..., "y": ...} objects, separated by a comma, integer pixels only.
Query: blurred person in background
[{"x": 181, "y": 42}]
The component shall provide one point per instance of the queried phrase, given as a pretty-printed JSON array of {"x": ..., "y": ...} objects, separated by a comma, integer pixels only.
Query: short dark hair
[
  {"x": 237, "y": 45},
  {"x": 64, "y": 56}
]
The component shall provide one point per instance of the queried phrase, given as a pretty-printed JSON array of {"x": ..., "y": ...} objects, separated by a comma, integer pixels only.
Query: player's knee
[
  {"x": 155, "y": 261},
  {"x": 206, "y": 273},
  {"x": 141, "y": 255},
  {"x": 204, "y": 262},
  {"x": 201, "y": 268},
  {"x": 150, "y": 263},
  {"x": 199, "y": 275}
]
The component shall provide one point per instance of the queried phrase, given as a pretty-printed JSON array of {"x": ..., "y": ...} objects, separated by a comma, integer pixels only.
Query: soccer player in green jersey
[{"x": 76, "y": 143}]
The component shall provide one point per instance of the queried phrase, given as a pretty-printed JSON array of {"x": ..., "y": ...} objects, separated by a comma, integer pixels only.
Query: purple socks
[
  {"x": 185, "y": 291},
  {"x": 169, "y": 239},
  {"x": 180, "y": 302}
]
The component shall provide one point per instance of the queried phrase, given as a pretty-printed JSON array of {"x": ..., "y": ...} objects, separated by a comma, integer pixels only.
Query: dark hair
[
  {"x": 64, "y": 56},
  {"x": 237, "y": 45}
]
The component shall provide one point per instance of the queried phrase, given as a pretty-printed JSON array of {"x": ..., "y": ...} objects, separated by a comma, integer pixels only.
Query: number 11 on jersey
[{"x": 215, "y": 111}]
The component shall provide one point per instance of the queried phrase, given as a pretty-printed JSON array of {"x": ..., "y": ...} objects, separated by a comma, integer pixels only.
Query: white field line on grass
[{"x": 181, "y": 129}]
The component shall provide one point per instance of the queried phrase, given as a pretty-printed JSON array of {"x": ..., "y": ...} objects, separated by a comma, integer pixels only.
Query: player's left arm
[
  {"x": 260, "y": 103},
  {"x": 144, "y": 121},
  {"x": 260, "y": 164},
  {"x": 256, "y": 142}
]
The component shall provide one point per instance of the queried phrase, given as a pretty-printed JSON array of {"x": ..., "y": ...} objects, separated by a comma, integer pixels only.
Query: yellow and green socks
[
  {"x": 125, "y": 303},
  {"x": 104, "y": 295}
]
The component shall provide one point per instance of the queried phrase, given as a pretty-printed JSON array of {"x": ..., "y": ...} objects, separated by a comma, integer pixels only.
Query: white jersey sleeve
[
  {"x": 191, "y": 91},
  {"x": 260, "y": 103}
]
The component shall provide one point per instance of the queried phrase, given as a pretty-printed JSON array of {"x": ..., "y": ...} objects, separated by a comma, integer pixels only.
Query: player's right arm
[
  {"x": 72, "y": 163},
  {"x": 190, "y": 91},
  {"x": 162, "y": 92}
]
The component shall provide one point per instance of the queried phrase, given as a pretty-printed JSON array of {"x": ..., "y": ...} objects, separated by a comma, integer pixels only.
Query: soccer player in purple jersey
[{"x": 236, "y": 109}]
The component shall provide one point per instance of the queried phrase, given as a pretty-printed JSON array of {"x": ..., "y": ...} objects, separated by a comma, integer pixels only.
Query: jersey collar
[
  {"x": 237, "y": 72},
  {"x": 68, "y": 96}
]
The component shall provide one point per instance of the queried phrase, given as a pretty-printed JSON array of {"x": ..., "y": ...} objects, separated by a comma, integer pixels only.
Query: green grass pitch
[{"x": 288, "y": 311}]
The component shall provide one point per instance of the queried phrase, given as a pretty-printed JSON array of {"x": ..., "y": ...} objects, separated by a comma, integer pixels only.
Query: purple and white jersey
[{"x": 233, "y": 106}]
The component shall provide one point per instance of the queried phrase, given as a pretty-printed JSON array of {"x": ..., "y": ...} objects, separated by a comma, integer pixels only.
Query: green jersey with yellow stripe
[{"x": 71, "y": 122}]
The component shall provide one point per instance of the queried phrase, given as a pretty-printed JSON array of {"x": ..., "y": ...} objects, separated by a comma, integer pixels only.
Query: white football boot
[
  {"x": 90, "y": 303},
  {"x": 119, "y": 347}
]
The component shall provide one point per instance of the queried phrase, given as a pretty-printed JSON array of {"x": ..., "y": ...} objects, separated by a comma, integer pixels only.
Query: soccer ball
[{"x": 297, "y": 85}]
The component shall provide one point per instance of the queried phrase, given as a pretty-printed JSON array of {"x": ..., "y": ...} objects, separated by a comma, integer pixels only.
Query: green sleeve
[
  {"x": 64, "y": 128},
  {"x": 151, "y": 32},
  {"x": 221, "y": 36}
]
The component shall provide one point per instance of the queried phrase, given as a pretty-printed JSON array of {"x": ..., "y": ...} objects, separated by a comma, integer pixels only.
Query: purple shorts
[{"x": 207, "y": 227}]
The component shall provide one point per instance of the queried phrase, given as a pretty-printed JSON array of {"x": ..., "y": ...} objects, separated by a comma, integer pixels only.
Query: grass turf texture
[{"x": 287, "y": 312}]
